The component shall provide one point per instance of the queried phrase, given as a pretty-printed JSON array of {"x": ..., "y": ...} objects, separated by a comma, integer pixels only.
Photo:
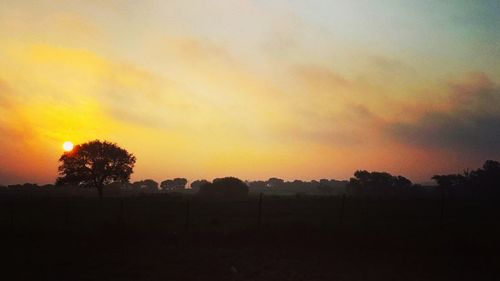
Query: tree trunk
[{"x": 99, "y": 189}]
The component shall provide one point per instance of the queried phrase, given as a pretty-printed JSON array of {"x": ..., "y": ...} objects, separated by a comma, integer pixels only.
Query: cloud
[
  {"x": 99, "y": 86},
  {"x": 13, "y": 127},
  {"x": 470, "y": 121},
  {"x": 390, "y": 65},
  {"x": 16, "y": 135},
  {"x": 5, "y": 93},
  {"x": 320, "y": 76}
]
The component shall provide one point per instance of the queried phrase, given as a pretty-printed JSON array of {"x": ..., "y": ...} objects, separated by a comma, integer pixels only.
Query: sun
[{"x": 68, "y": 146}]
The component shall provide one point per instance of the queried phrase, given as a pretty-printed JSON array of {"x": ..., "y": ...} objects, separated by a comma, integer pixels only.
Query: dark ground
[{"x": 147, "y": 238}]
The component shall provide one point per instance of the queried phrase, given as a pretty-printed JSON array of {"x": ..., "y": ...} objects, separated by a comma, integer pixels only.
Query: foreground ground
[{"x": 296, "y": 239}]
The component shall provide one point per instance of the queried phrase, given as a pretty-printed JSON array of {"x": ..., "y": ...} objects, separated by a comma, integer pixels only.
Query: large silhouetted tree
[{"x": 95, "y": 164}]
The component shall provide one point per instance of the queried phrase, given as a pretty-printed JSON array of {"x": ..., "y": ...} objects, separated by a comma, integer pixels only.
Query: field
[{"x": 277, "y": 238}]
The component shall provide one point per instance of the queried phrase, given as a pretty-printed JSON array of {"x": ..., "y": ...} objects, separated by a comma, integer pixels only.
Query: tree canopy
[
  {"x": 228, "y": 187},
  {"x": 174, "y": 184},
  {"x": 95, "y": 164},
  {"x": 483, "y": 181},
  {"x": 376, "y": 183}
]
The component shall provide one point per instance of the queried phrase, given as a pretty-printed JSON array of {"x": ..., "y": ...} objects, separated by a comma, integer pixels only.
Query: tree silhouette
[
  {"x": 174, "y": 184},
  {"x": 275, "y": 182},
  {"x": 195, "y": 185},
  {"x": 228, "y": 187},
  {"x": 376, "y": 183},
  {"x": 147, "y": 185},
  {"x": 95, "y": 164},
  {"x": 449, "y": 181},
  {"x": 484, "y": 181}
]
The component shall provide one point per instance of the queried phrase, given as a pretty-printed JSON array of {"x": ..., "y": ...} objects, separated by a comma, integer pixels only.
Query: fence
[{"x": 261, "y": 213}]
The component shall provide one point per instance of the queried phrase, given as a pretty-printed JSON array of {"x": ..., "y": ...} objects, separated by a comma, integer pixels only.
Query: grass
[{"x": 299, "y": 238}]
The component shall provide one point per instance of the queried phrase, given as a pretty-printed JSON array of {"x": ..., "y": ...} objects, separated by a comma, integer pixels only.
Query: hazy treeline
[
  {"x": 382, "y": 184},
  {"x": 484, "y": 181},
  {"x": 218, "y": 188}
]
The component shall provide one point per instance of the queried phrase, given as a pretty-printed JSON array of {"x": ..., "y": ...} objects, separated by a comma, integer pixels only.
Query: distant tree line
[
  {"x": 105, "y": 165},
  {"x": 227, "y": 187},
  {"x": 280, "y": 186},
  {"x": 484, "y": 181},
  {"x": 378, "y": 184}
]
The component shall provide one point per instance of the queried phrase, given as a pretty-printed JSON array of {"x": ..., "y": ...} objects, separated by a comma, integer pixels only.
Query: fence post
[
  {"x": 11, "y": 214},
  {"x": 66, "y": 212},
  {"x": 441, "y": 211},
  {"x": 187, "y": 216},
  {"x": 259, "y": 218},
  {"x": 122, "y": 209},
  {"x": 342, "y": 207}
]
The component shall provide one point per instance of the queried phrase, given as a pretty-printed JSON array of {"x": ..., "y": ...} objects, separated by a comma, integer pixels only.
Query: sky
[{"x": 251, "y": 88}]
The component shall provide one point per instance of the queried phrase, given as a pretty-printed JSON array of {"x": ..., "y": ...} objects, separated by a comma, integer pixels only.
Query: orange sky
[{"x": 251, "y": 89}]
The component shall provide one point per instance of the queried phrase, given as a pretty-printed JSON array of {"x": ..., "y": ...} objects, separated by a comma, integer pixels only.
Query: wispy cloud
[{"x": 470, "y": 121}]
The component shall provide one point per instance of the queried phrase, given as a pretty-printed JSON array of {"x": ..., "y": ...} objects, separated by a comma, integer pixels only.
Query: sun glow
[{"x": 68, "y": 146}]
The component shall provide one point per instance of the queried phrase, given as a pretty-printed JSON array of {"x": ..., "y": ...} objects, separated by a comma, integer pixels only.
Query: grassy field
[{"x": 293, "y": 238}]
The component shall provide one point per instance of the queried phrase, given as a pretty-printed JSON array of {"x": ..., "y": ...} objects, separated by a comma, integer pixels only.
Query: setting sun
[{"x": 68, "y": 146}]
